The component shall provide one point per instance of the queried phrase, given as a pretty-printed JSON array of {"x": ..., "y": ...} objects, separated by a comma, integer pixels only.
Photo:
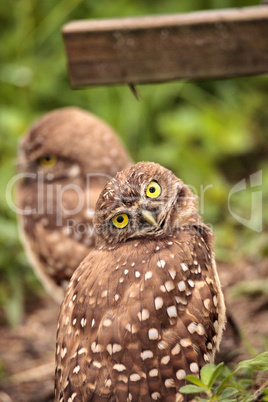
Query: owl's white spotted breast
[{"x": 137, "y": 318}]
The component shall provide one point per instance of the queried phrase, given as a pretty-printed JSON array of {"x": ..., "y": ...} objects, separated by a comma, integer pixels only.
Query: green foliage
[
  {"x": 212, "y": 134},
  {"x": 254, "y": 288},
  {"x": 246, "y": 383}
]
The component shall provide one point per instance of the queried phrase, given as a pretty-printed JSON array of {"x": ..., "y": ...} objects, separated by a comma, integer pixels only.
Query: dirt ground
[{"x": 27, "y": 352}]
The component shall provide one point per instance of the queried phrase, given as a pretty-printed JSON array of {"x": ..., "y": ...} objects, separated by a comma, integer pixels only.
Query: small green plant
[{"x": 248, "y": 382}]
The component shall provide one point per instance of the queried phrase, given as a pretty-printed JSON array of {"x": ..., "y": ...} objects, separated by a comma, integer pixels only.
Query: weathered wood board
[{"x": 199, "y": 45}]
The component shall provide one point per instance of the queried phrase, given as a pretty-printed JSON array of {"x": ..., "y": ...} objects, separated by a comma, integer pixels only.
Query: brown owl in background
[
  {"x": 64, "y": 159},
  {"x": 145, "y": 308}
]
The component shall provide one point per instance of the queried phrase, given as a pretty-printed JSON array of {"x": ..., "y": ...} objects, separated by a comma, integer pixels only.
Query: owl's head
[
  {"x": 144, "y": 200},
  {"x": 70, "y": 142}
]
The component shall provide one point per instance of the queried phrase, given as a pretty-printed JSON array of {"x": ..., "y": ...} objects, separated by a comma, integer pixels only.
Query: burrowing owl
[
  {"x": 145, "y": 307},
  {"x": 64, "y": 159}
]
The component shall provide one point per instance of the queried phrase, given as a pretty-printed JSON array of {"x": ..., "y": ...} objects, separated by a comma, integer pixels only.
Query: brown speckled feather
[
  {"x": 57, "y": 230},
  {"x": 139, "y": 316}
]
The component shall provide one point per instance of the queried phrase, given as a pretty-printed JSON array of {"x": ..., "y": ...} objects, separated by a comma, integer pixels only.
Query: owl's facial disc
[{"x": 45, "y": 166}]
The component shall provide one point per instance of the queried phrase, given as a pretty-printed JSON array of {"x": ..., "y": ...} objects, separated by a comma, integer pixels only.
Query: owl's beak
[{"x": 148, "y": 216}]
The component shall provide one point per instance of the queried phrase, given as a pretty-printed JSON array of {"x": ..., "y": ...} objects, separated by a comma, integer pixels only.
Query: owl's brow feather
[
  {"x": 129, "y": 195},
  {"x": 34, "y": 146}
]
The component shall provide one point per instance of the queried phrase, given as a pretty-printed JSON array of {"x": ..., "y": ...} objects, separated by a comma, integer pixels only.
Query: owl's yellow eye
[
  {"x": 153, "y": 190},
  {"x": 47, "y": 160},
  {"x": 120, "y": 221}
]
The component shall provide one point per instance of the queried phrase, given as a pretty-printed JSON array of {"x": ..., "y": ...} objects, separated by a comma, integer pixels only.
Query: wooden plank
[{"x": 199, "y": 45}]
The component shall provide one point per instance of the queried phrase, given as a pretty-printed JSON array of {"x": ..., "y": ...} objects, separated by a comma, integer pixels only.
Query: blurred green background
[{"x": 210, "y": 133}]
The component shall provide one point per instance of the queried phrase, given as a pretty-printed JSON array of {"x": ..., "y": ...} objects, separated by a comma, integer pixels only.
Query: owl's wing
[
  {"x": 56, "y": 242},
  {"x": 137, "y": 320}
]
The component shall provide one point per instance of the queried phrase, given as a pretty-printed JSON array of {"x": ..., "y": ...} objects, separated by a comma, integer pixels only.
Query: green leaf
[
  {"x": 226, "y": 379},
  {"x": 191, "y": 389},
  {"x": 228, "y": 393},
  {"x": 259, "y": 362},
  {"x": 196, "y": 381},
  {"x": 265, "y": 394},
  {"x": 215, "y": 374},
  {"x": 206, "y": 373}
]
